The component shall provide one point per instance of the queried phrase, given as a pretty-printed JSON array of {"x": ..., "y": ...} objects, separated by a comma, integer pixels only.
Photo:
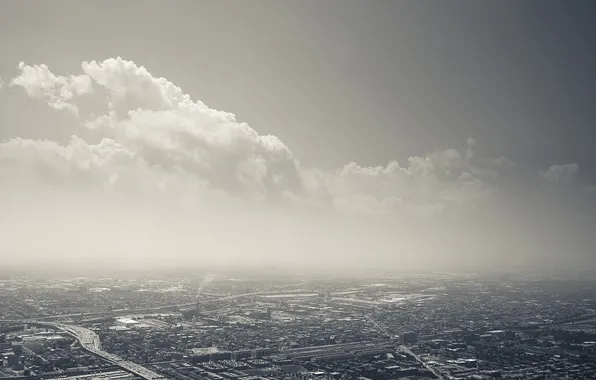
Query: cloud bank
[{"x": 154, "y": 150}]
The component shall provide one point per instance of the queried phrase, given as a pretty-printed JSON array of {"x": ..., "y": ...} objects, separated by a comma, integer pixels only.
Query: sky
[{"x": 330, "y": 135}]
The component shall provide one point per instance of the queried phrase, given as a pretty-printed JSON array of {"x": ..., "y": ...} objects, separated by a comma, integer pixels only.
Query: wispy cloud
[{"x": 561, "y": 174}]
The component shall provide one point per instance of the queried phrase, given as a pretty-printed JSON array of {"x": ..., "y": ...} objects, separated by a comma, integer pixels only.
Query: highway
[{"x": 90, "y": 342}]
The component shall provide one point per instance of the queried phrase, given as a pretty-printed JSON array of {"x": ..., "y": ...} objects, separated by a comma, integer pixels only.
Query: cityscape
[
  {"x": 411, "y": 326},
  {"x": 298, "y": 190}
]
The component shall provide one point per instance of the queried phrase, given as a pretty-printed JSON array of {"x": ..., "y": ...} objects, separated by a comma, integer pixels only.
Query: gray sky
[{"x": 491, "y": 103}]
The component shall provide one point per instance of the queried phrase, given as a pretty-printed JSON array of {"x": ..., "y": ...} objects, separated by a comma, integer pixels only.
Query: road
[
  {"x": 436, "y": 372},
  {"x": 90, "y": 342},
  {"x": 408, "y": 351},
  {"x": 379, "y": 327}
]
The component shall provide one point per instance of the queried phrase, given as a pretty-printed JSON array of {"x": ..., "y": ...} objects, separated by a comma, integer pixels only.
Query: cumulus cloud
[
  {"x": 58, "y": 91},
  {"x": 426, "y": 186},
  {"x": 154, "y": 136},
  {"x": 152, "y": 140},
  {"x": 165, "y": 130}
]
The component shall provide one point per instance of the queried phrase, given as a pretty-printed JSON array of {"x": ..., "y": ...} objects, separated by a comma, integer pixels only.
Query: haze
[{"x": 360, "y": 138}]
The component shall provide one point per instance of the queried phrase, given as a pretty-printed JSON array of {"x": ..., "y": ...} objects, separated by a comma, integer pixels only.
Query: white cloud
[
  {"x": 160, "y": 124},
  {"x": 427, "y": 186},
  {"x": 133, "y": 87},
  {"x": 156, "y": 138},
  {"x": 561, "y": 174},
  {"x": 58, "y": 91},
  {"x": 153, "y": 146}
]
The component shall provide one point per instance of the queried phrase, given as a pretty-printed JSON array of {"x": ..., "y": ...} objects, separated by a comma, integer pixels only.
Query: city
[
  {"x": 412, "y": 326},
  {"x": 298, "y": 190}
]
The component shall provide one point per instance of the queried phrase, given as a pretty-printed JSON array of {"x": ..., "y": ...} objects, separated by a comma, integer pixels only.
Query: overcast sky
[{"x": 457, "y": 131}]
